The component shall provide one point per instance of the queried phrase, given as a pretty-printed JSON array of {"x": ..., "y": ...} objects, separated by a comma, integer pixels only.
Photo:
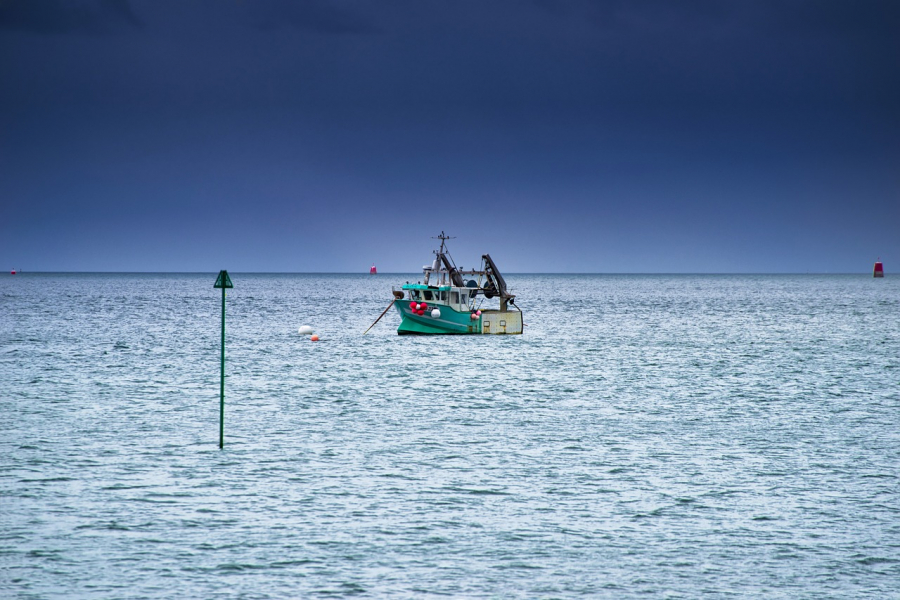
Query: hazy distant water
[{"x": 652, "y": 436}]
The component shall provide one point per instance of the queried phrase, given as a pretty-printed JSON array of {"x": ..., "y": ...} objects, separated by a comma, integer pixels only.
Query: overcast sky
[{"x": 559, "y": 136}]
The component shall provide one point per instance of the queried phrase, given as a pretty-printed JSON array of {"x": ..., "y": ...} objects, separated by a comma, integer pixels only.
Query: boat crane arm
[
  {"x": 495, "y": 284},
  {"x": 455, "y": 277}
]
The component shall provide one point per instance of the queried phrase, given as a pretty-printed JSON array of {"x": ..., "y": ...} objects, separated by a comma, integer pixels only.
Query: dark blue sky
[{"x": 578, "y": 136}]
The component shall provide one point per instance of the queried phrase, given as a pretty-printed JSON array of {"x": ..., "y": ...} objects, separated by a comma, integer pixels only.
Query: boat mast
[{"x": 439, "y": 259}]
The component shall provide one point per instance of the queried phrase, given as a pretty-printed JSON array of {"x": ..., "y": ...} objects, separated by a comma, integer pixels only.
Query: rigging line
[{"x": 381, "y": 315}]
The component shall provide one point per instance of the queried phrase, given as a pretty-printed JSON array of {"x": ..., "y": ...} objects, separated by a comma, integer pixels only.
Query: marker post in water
[{"x": 223, "y": 282}]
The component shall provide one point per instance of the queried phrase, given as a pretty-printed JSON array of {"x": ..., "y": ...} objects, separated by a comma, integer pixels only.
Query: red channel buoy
[{"x": 879, "y": 269}]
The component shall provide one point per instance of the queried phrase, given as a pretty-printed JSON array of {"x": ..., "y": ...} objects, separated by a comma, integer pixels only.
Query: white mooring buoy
[
  {"x": 435, "y": 314},
  {"x": 305, "y": 330}
]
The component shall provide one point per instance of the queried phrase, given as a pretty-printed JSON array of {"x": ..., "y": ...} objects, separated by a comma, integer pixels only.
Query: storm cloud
[{"x": 579, "y": 136}]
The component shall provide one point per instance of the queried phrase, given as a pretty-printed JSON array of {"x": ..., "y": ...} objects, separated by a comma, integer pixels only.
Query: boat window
[
  {"x": 454, "y": 297},
  {"x": 444, "y": 295},
  {"x": 463, "y": 298},
  {"x": 428, "y": 294}
]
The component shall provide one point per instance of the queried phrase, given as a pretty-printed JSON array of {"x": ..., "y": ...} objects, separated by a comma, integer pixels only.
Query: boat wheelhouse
[{"x": 445, "y": 302}]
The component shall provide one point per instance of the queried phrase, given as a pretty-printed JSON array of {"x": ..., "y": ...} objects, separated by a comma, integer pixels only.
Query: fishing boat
[{"x": 446, "y": 302}]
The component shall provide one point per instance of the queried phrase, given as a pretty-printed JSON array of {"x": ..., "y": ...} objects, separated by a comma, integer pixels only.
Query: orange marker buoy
[{"x": 314, "y": 338}]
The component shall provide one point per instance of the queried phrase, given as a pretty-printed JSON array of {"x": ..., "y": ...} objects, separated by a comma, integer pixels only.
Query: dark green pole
[
  {"x": 223, "y": 281},
  {"x": 222, "y": 381}
]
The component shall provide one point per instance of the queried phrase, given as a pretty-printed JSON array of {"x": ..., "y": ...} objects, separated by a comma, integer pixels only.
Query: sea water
[{"x": 648, "y": 436}]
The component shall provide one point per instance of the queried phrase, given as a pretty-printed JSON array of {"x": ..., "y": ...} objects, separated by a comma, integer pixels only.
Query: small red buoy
[
  {"x": 413, "y": 306},
  {"x": 314, "y": 338},
  {"x": 423, "y": 306},
  {"x": 879, "y": 269}
]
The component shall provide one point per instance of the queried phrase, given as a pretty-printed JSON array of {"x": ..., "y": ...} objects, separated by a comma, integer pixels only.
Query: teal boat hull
[{"x": 451, "y": 322}]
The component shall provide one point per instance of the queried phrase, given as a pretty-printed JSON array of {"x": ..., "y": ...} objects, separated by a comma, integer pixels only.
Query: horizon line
[{"x": 20, "y": 272}]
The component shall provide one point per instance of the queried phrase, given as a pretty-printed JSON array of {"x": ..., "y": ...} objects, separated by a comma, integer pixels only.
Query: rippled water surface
[{"x": 652, "y": 436}]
